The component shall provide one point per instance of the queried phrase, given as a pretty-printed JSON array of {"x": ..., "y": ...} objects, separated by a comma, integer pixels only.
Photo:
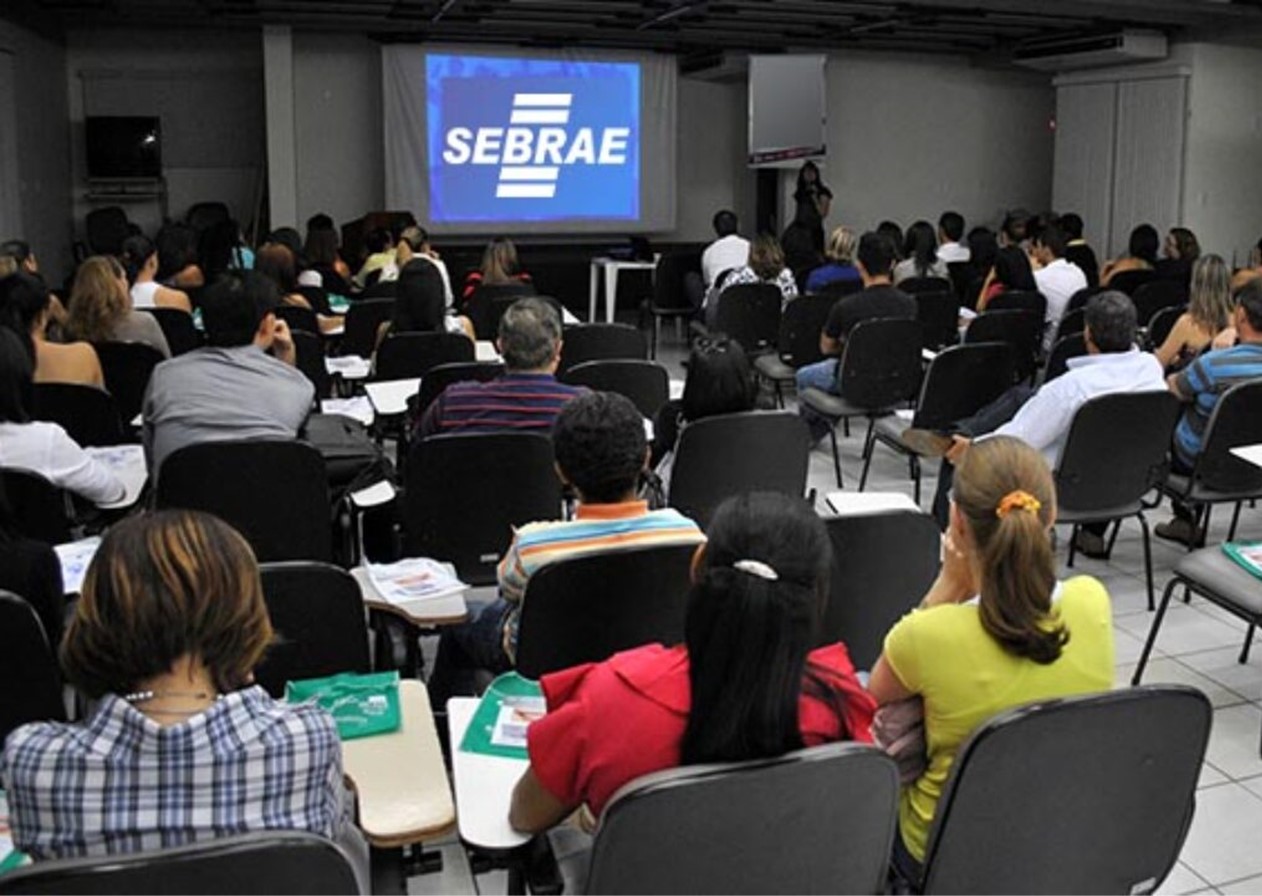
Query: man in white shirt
[
  {"x": 1042, "y": 419},
  {"x": 727, "y": 253},
  {"x": 950, "y": 232},
  {"x": 1056, "y": 278}
]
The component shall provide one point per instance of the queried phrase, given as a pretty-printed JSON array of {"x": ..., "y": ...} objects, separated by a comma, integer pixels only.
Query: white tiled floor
[{"x": 1198, "y": 646}]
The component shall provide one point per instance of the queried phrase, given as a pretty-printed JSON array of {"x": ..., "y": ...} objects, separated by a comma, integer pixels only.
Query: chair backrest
[
  {"x": 1115, "y": 452},
  {"x": 800, "y": 325},
  {"x": 282, "y": 862},
  {"x": 883, "y": 564},
  {"x": 480, "y": 306},
  {"x": 40, "y": 509},
  {"x": 299, "y": 318},
  {"x": 1155, "y": 295},
  {"x": 961, "y": 274},
  {"x": 1023, "y": 330},
  {"x": 1129, "y": 282},
  {"x": 938, "y": 313},
  {"x": 646, "y": 383},
  {"x": 587, "y": 609},
  {"x": 363, "y": 319},
  {"x": 127, "y": 367},
  {"x": 177, "y": 326},
  {"x": 87, "y": 414},
  {"x": 913, "y": 285},
  {"x": 500, "y": 305},
  {"x": 767, "y": 826},
  {"x": 317, "y": 611},
  {"x": 962, "y": 380},
  {"x": 599, "y": 342},
  {"x": 1081, "y": 297},
  {"x": 275, "y": 493},
  {"x": 1019, "y": 300},
  {"x": 107, "y": 228},
  {"x": 32, "y": 684},
  {"x": 1072, "y": 346},
  {"x": 749, "y": 313},
  {"x": 1236, "y": 421},
  {"x": 880, "y": 363},
  {"x": 1111, "y": 779},
  {"x": 1071, "y": 323},
  {"x": 1162, "y": 322},
  {"x": 668, "y": 280},
  {"x": 466, "y": 492},
  {"x": 405, "y": 355},
  {"x": 309, "y": 358},
  {"x": 440, "y": 376},
  {"x": 204, "y": 215},
  {"x": 382, "y": 289},
  {"x": 730, "y": 454}
]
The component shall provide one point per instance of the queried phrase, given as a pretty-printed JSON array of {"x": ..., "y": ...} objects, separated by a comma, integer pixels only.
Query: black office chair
[
  {"x": 1070, "y": 324},
  {"x": 961, "y": 380},
  {"x": 204, "y": 215},
  {"x": 465, "y": 493},
  {"x": 1021, "y": 329},
  {"x": 363, "y": 321},
  {"x": 275, "y": 493},
  {"x": 883, "y": 564},
  {"x": 1082, "y": 297},
  {"x": 32, "y": 683},
  {"x": 107, "y": 229},
  {"x": 646, "y": 383},
  {"x": 406, "y": 355},
  {"x": 86, "y": 413},
  {"x": 731, "y": 454},
  {"x": 1020, "y": 300},
  {"x": 381, "y": 289},
  {"x": 961, "y": 276},
  {"x": 317, "y": 297},
  {"x": 502, "y": 302},
  {"x": 1115, "y": 455},
  {"x": 879, "y": 371},
  {"x": 939, "y": 315},
  {"x": 1129, "y": 282},
  {"x": 670, "y": 297},
  {"x": 40, "y": 509},
  {"x": 693, "y": 829},
  {"x": 1114, "y": 795},
  {"x": 914, "y": 285},
  {"x": 586, "y": 609},
  {"x": 599, "y": 342},
  {"x": 1155, "y": 295},
  {"x": 127, "y": 367},
  {"x": 440, "y": 376},
  {"x": 749, "y": 313},
  {"x": 1218, "y": 476},
  {"x": 309, "y": 358},
  {"x": 798, "y": 342},
  {"x": 1073, "y": 346},
  {"x": 299, "y": 318},
  {"x": 281, "y": 862},
  {"x": 177, "y": 327},
  {"x": 1162, "y": 323},
  {"x": 317, "y": 611},
  {"x": 479, "y": 307}
]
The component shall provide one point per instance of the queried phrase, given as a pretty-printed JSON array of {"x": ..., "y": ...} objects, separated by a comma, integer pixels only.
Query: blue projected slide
[{"x": 532, "y": 139}]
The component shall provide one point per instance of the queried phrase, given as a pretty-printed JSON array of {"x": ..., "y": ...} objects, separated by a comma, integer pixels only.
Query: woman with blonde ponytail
[{"x": 996, "y": 629}]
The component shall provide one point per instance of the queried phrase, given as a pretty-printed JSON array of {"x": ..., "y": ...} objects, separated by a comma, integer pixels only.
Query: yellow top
[{"x": 965, "y": 677}]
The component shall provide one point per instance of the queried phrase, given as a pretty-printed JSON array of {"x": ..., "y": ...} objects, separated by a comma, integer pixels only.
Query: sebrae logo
[{"x": 535, "y": 146}]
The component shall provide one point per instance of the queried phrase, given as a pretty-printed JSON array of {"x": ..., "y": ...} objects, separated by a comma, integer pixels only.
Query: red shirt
[{"x": 611, "y": 722}]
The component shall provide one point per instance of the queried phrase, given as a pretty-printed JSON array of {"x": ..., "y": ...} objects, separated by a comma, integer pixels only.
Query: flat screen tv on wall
[{"x": 124, "y": 146}]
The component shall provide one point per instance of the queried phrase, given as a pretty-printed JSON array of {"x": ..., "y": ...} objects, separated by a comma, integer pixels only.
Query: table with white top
[
  {"x": 390, "y": 397},
  {"x": 483, "y": 785},
  {"x": 844, "y": 503},
  {"x": 448, "y": 610},
  {"x": 611, "y": 267}
]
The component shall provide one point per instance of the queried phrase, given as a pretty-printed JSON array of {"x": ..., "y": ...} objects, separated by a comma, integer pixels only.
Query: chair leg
[
  {"x": 1201, "y": 531},
  {"x": 1143, "y": 525},
  {"x": 779, "y": 394},
  {"x": 863, "y": 477},
  {"x": 1073, "y": 545},
  {"x": 1248, "y": 642},
  {"x": 1108, "y": 550},
  {"x": 657, "y": 334},
  {"x": 869, "y": 442},
  {"x": 1235, "y": 519},
  {"x": 1152, "y": 632},
  {"x": 915, "y": 478},
  {"x": 832, "y": 435}
]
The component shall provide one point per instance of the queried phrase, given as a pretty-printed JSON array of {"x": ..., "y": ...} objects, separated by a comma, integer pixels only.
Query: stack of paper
[
  {"x": 414, "y": 581},
  {"x": 350, "y": 367},
  {"x": 75, "y": 557},
  {"x": 357, "y": 408}
]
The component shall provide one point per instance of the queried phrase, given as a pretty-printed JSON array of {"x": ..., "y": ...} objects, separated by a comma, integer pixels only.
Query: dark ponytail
[{"x": 137, "y": 250}]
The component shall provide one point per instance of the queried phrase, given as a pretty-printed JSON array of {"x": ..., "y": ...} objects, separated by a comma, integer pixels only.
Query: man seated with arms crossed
[
  {"x": 1200, "y": 385},
  {"x": 601, "y": 451},
  {"x": 242, "y": 385},
  {"x": 526, "y": 398}
]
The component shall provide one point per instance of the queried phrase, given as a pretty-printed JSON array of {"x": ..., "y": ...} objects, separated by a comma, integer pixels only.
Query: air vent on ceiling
[{"x": 1057, "y": 54}]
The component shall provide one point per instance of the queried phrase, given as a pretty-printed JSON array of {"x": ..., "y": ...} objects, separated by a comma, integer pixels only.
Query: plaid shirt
[{"x": 122, "y": 783}]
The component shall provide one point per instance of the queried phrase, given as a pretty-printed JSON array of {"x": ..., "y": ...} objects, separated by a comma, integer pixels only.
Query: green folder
[
  {"x": 477, "y": 737},
  {"x": 1235, "y": 550},
  {"x": 362, "y": 705}
]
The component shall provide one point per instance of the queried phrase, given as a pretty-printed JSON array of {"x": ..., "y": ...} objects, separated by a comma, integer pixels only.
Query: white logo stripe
[
  {"x": 540, "y": 116},
  {"x": 542, "y": 99},
  {"x": 525, "y": 191},
  {"x": 529, "y": 172}
]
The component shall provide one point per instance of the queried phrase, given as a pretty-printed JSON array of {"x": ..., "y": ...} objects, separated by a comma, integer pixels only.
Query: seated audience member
[
  {"x": 1012, "y": 232},
  {"x": 222, "y": 249},
  {"x": 279, "y": 263},
  {"x": 719, "y": 381},
  {"x": 727, "y": 253},
  {"x": 799, "y": 245},
  {"x": 420, "y": 304},
  {"x": 527, "y": 397},
  {"x": 101, "y": 310},
  {"x": 1254, "y": 269},
  {"x": 892, "y": 232},
  {"x": 291, "y": 239},
  {"x": 765, "y": 265},
  {"x": 499, "y": 267},
  {"x": 1077, "y": 251},
  {"x": 23, "y": 257},
  {"x": 1011, "y": 273},
  {"x": 414, "y": 244},
  {"x": 178, "y": 265},
  {"x": 1057, "y": 279},
  {"x": 1041, "y": 419},
  {"x": 602, "y": 453},
  {"x": 140, "y": 258},
  {"x": 878, "y": 298},
  {"x": 31, "y": 570},
  {"x": 1210, "y": 308},
  {"x": 26, "y": 308},
  {"x": 1141, "y": 254},
  {"x": 996, "y": 629},
  {"x": 180, "y": 746},
  {"x": 1200, "y": 385},
  {"x": 380, "y": 247},
  {"x": 37, "y": 446},
  {"x": 242, "y": 385},
  {"x": 323, "y": 259},
  {"x": 1180, "y": 251},
  {"x": 920, "y": 255},
  {"x": 983, "y": 249},
  {"x": 839, "y": 268},
  {"x": 745, "y": 684},
  {"x": 950, "y": 232}
]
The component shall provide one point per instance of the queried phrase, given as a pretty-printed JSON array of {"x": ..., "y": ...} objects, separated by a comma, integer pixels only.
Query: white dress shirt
[
  {"x": 1043, "y": 421},
  {"x": 1058, "y": 282},
  {"x": 723, "y": 254},
  {"x": 44, "y": 448},
  {"x": 950, "y": 253}
]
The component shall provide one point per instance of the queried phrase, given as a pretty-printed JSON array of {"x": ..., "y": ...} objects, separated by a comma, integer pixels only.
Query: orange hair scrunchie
[{"x": 1017, "y": 500}]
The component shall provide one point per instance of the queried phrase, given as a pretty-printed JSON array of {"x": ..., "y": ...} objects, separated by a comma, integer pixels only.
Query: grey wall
[{"x": 37, "y": 146}]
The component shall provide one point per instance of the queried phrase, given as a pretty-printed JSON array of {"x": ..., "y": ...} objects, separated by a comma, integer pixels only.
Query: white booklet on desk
[
  {"x": 413, "y": 581},
  {"x": 75, "y": 557}
]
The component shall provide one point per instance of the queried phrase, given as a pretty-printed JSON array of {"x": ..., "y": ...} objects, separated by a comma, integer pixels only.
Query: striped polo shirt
[
  {"x": 1203, "y": 382},
  {"x": 596, "y": 529},
  {"x": 515, "y": 402}
]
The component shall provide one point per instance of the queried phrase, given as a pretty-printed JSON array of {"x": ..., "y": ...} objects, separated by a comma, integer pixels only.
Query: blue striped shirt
[
  {"x": 516, "y": 402},
  {"x": 1202, "y": 383}
]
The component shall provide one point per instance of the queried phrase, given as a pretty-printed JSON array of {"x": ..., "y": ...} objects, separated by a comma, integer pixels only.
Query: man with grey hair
[{"x": 527, "y": 398}]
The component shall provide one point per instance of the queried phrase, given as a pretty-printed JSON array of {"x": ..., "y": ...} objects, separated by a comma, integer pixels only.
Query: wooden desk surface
[{"x": 399, "y": 777}]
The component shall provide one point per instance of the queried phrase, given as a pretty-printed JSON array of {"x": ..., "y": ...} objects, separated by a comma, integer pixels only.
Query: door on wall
[{"x": 10, "y": 208}]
